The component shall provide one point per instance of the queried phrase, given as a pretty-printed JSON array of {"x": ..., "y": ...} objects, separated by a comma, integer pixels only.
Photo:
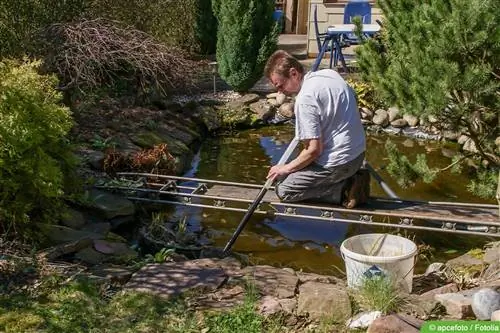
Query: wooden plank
[{"x": 412, "y": 209}]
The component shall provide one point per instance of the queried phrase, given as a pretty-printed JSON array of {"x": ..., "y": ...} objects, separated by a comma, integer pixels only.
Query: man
[{"x": 328, "y": 125}]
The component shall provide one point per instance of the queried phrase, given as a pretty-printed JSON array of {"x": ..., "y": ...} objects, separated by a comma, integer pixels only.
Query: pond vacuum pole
[{"x": 286, "y": 155}]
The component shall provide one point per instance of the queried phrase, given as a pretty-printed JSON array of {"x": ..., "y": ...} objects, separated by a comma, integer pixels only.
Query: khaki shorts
[{"x": 316, "y": 183}]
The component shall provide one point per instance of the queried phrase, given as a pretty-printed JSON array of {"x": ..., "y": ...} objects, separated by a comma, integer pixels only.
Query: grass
[
  {"x": 84, "y": 306},
  {"x": 379, "y": 293}
]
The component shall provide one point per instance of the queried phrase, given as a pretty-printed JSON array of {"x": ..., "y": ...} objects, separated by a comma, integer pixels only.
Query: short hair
[{"x": 280, "y": 62}]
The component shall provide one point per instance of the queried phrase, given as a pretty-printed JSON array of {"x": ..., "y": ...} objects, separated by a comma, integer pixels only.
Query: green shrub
[
  {"x": 246, "y": 37},
  {"x": 206, "y": 27},
  {"x": 34, "y": 154}
]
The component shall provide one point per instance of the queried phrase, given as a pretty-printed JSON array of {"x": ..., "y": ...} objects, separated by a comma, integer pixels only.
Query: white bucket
[{"x": 379, "y": 254}]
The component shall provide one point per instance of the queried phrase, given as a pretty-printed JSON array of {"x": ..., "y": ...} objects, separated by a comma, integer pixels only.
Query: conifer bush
[
  {"x": 441, "y": 58},
  {"x": 34, "y": 154},
  {"x": 246, "y": 37}
]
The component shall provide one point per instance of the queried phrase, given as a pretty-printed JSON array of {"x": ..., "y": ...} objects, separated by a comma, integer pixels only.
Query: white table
[{"x": 339, "y": 29}]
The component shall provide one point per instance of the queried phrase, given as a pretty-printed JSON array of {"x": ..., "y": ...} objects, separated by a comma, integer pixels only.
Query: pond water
[{"x": 313, "y": 246}]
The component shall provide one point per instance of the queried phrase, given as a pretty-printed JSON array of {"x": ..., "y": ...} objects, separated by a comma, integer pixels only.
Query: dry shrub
[
  {"x": 92, "y": 54},
  {"x": 155, "y": 160}
]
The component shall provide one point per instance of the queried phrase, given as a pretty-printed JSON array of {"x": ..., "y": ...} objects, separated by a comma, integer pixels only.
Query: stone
[
  {"x": 409, "y": 143},
  {"x": 96, "y": 159},
  {"x": 395, "y": 323},
  {"x": 393, "y": 113},
  {"x": 62, "y": 234},
  {"x": 55, "y": 252},
  {"x": 399, "y": 123},
  {"x": 470, "y": 146},
  {"x": 492, "y": 272},
  {"x": 243, "y": 101},
  {"x": 485, "y": 302},
  {"x": 432, "y": 119},
  {"x": 492, "y": 253},
  {"x": 434, "y": 267},
  {"x": 272, "y": 95},
  {"x": 174, "y": 278},
  {"x": 363, "y": 319},
  {"x": 286, "y": 110},
  {"x": 280, "y": 99},
  {"x": 381, "y": 118},
  {"x": 111, "y": 205},
  {"x": 495, "y": 316},
  {"x": 451, "y": 135},
  {"x": 320, "y": 300},
  {"x": 462, "y": 138},
  {"x": 73, "y": 219},
  {"x": 90, "y": 256},
  {"x": 465, "y": 260},
  {"x": 457, "y": 305},
  {"x": 411, "y": 119},
  {"x": 366, "y": 113},
  {"x": 272, "y": 281},
  {"x": 262, "y": 110},
  {"x": 268, "y": 305},
  {"x": 272, "y": 102},
  {"x": 366, "y": 122},
  {"x": 100, "y": 228},
  {"x": 288, "y": 305},
  {"x": 449, "y": 288}
]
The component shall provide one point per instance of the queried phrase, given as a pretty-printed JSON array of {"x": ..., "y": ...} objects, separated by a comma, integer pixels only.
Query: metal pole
[{"x": 258, "y": 199}]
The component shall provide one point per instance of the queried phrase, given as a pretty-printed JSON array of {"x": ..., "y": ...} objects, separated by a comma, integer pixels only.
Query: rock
[
  {"x": 286, "y": 110},
  {"x": 209, "y": 117},
  {"x": 100, "y": 228},
  {"x": 451, "y": 135},
  {"x": 272, "y": 102},
  {"x": 465, "y": 260},
  {"x": 393, "y": 113},
  {"x": 432, "y": 119},
  {"x": 268, "y": 305},
  {"x": 90, "y": 256},
  {"x": 492, "y": 253},
  {"x": 272, "y": 281},
  {"x": 73, "y": 219},
  {"x": 363, "y": 319},
  {"x": 262, "y": 110},
  {"x": 55, "y": 252},
  {"x": 485, "y": 302},
  {"x": 175, "y": 278},
  {"x": 96, "y": 159},
  {"x": 366, "y": 122},
  {"x": 242, "y": 101},
  {"x": 288, "y": 305},
  {"x": 319, "y": 300},
  {"x": 434, "y": 267},
  {"x": 280, "y": 99},
  {"x": 492, "y": 272},
  {"x": 366, "y": 113},
  {"x": 457, "y": 306},
  {"x": 495, "y": 316},
  {"x": 470, "y": 146},
  {"x": 61, "y": 234},
  {"x": 450, "y": 153},
  {"x": 381, "y": 118},
  {"x": 111, "y": 205},
  {"x": 272, "y": 95},
  {"x": 395, "y": 323},
  {"x": 449, "y": 288},
  {"x": 497, "y": 142},
  {"x": 462, "y": 138},
  {"x": 409, "y": 143},
  {"x": 411, "y": 119},
  {"x": 399, "y": 123}
]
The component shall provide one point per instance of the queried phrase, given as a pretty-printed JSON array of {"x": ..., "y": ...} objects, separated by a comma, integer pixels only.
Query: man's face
[{"x": 287, "y": 85}]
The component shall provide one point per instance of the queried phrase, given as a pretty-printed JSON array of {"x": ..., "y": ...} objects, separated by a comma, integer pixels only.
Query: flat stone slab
[{"x": 171, "y": 279}]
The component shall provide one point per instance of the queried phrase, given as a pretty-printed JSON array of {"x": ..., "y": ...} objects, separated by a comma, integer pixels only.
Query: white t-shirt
[{"x": 326, "y": 109}]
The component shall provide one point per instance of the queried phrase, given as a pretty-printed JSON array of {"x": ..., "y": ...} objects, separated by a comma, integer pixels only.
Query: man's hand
[{"x": 278, "y": 171}]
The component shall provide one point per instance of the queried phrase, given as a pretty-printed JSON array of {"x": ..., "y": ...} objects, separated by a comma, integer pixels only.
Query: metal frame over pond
[{"x": 463, "y": 218}]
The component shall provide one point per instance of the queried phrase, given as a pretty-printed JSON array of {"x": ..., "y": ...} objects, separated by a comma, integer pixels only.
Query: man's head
[{"x": 285, "y": 72}]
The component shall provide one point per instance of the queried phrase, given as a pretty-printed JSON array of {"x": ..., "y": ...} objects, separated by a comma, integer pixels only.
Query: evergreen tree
[
  {"x": 206, "y": 27},
  {"x": 247, "y": 35},
  {"x": 441, "y": 58}
]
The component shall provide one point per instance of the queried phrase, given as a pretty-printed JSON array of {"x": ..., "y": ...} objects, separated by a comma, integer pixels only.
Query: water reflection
[{"x": 309, "y": 245}]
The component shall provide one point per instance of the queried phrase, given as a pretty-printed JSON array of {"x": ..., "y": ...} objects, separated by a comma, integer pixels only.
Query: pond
[{"x": 313, "y": 246}]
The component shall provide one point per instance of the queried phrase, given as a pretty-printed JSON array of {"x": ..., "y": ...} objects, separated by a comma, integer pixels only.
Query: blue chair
[
  {"x": 327, "y": 43},
  {"x": 352, "y": 9}
]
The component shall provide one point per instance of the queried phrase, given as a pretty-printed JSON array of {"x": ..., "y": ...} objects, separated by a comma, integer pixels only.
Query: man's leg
[{"x": 318, "y": 183}]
